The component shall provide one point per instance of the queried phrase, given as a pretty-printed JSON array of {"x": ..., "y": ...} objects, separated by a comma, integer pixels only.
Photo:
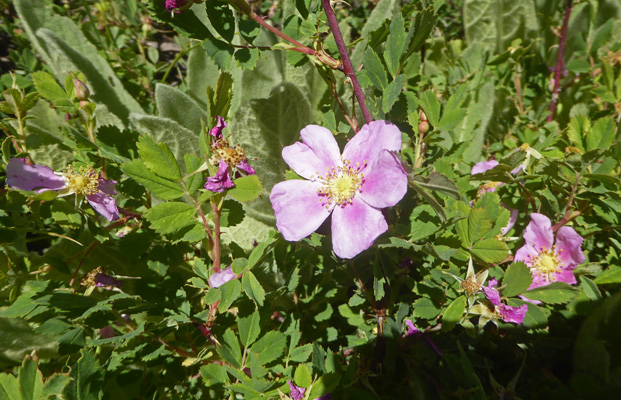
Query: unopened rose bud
[
  {"x": 84, "y": 103},
  {"x": 423, "y": 127},
  {"x": 422, "y": 116},
  {"x": 81, "y": 91}
]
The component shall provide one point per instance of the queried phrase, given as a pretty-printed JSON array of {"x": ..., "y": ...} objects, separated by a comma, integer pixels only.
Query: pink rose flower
[
  {"x": 352, "y": 187},
  {"x": 549, "y": 261},
  {"x": 218, "y": 279},
  {"x": 86, "y": 182}
]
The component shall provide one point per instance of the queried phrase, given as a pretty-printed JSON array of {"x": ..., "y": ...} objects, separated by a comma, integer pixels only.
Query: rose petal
[
  {"x": 492, "y": 294},
  {"x": 318, "y": 152},
  {"x": 483, "y": 166},
  {"x": 412, "y": 329},
  {"x": 568, "y": 244},
  {"x": 565, "y": 275},
  {"x": 299, "y": 210},
  {"x": 371, "y": 140},
  {"x": 385, "y": 183},
  {"x": 538, "y": 233},
  {"x": 526, "y": 254},
  {"x": 512, "y": 220},
  {"x": 104, "y": 205},
  {"x": 218, "y": 279},
  {"x": 222, "y": 181},
  {"x": 297, "y": 393},
  {"x": 244, "y": 166},
  {"x": 513, "y": 314},
  {"x": 216, "y": 131},
  {"x": 22, "y": 176},
  {"x": 107, "y": 186},
  {"x": 355, "y": 227}
]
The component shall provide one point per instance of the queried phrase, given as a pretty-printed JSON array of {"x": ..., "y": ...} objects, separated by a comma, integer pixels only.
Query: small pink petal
[
  {"x": 568, "y": 244},
  {"x": 565, "y": 275},
  {"x": 104, "y": 205},
  {"x": 539, "y": 233},
  {"x": 221, "y": 181},
  {"x": 512, "y": 220},
  {"x": 526, "y": 254},
  {"x": 483, "y": 166},
  {"x": 513, "y": 314},
  {"x": 371, "y": 140},
  {"x": 107, "y": 186},
  {"x": 318, "y": 152},
  {"x": 492, "y": 294},
  {"x": 297, "y": 393},
  {"x": 244, "y": 166},
  {"x": 412, "y": 329},
  {"x": 386, "y": 182},
  {"x": 299, "y": 210},
  {"x": 218, "y": 279},
  {"x": 216, "y": 131},
  {"x": 22, "y": 176},
  {"x": 354, "y": 228}
]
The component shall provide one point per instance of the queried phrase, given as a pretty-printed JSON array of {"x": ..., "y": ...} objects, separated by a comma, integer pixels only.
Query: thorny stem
[
  {"x": 348, "y": 68},
  {"x": 88, "y": 251},
  {"x": 216, "y": 236},
  {"x": 559, "y": 61}
]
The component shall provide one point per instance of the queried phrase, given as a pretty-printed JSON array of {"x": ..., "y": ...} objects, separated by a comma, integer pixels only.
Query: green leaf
[
  {"x": 88, "y": 377},
  {"x": 50, "y": 89},
  {"x": 247, "y": 188},
  {"x": 451, "y": 119},
  {"x": 478, "y": 224},
  {"x": 490, "y": 250},
  {"x": 55, "y": 385},
  {"x": 590, "y": 289},
  {"x": 249, "y": 328},
  {"x": 224, "y": 20},
  {"x": 162, "y": 188},
  {"x": 602, "y": 35},
  {"x": 425, "y": 308},
  {"x": 9, "y": 387},
  {"x": 420, "y": 30},
  {"x": 554, "y": 293},
  {"x": 429, "y": 102},
  {"x": 230, "y": 291},
  {"x": 158, "y": 158},
  {"x": 66, "y": 215},
  {"x": 173, "y": 104},
  {"x": 392, "y": 92},
  {"x": 270, "y": 347},
  {"x": 302, "y": 376},
  {"x": 230, "y": 350},
  {"x": 170, "y": 217},
  {"x": 395, "y": 45},
  {"x": 259, "y": 252},
  {"x": 577, "y": 128},
  {"x": 301, "y": 353},
  {"x": 196, "y": 181},
  {"x": 453, "y": 313},
  {"x": 375, "y": 69},
  {"x": 516, "y": 280},
  {"x": 220, "y": 52},
  {"x": 325, "y": 384},
  {"x": 232, "y": 213},
  {"x": 253, "y": 288},
  {"x": 610, "y": 275},
  {"x": 30, "y": 380},
  {"x": 601, "y": 135}
]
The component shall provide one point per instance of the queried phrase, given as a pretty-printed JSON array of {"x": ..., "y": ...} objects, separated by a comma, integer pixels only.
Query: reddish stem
[
  {"x": 348, "y": 68},
  {"x": 559, "y": 62}
]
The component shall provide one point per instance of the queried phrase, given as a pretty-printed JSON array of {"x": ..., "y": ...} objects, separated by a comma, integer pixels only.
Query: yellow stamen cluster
[
  {"x": 230, "y": 155},
  {"x": 340, "y": 184},
  {"x": 89, "y": 279},
  {"x": 488, "y": 187},
  {"x": 546, "y": 264},
  {"x": 85, "y": 181}
]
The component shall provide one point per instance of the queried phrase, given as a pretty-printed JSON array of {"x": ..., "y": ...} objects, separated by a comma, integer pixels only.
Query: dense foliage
[{"x": 208, "y": 199}]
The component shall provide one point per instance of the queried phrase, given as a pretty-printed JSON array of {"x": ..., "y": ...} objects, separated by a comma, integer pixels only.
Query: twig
[
  {"x": 348, "y": 68},
  {"x": 559, "y": 61},
  {"x": 88, "y": 251}
]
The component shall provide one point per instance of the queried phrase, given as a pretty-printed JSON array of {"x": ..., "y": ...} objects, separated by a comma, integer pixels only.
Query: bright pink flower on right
[{"x": 550, "y": 261}]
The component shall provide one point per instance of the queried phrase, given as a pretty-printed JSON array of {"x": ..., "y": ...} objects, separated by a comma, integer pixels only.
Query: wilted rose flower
[
  {"x": 503, "y": 311},
  {"x": 550, "y": 261},
  {"x": 222, "y": 181},
  {"x": 353, "y": 188},
  {"x": 85, "y": 182},
  {"x": 173, "y": 5},
  {"x": 297, "y": 393}
]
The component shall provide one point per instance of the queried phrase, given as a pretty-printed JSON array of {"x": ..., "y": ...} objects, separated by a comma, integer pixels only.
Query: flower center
[
  {"x": 488, "y": 187},
  {"x": 340, "y": 184},
  {"x": 547, "y": 263},
  {"x": 470, "y": 286},
  {"x": 85, "y": 181},
  {"x": 231, "y": 155}
]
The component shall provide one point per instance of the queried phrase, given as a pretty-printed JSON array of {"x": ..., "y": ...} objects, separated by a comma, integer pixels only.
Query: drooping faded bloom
[
  {"x": 481, "y": 167},
  {"x": 353, "y": 188},
  {"x": 229, "y": 159},
  {"x": 297, "y": 393},
  {"x": 218, "y": 279},
  {"x": 173, "y": 5},
  {"x": 85, "y": 182},
  {"x": 550, "y": 261},
  {"x": 504, "y": 312}
]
